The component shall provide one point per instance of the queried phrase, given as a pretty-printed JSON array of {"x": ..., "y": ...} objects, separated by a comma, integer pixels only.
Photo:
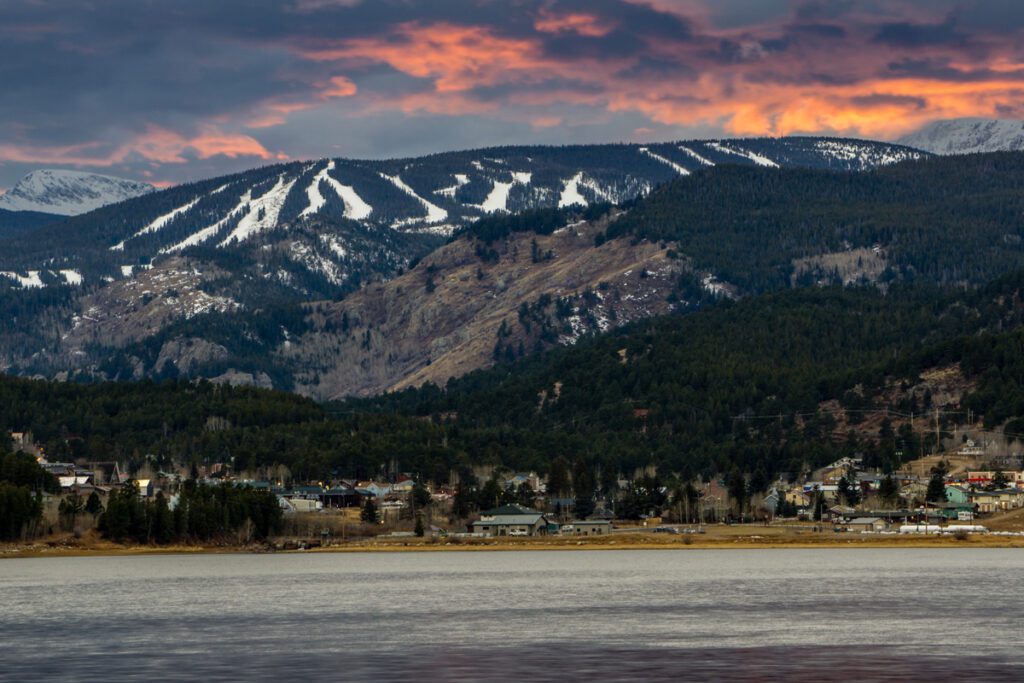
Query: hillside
[
  {"x": 434, "y": 194},
  {"x": 780, "y": 382},
  {"x": 69, "y": 193},
  {"x": 279, "y": 311},
  {"x": 968, "y": 136}
]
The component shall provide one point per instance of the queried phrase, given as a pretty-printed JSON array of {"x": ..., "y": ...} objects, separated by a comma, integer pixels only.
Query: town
[{"x": 961, "y": 493}]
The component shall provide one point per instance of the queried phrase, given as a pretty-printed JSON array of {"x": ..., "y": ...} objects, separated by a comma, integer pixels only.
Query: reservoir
[{"x": 795, "y": 614}]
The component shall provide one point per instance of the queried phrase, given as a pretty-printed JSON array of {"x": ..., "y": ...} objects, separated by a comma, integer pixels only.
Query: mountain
[
  {"x": 968, "y": 136},
  {"x": 69, "y": 193},
  {"x": 16, "y": 222},
  {"x": 509, "y": 286},
  {"x": 436, "y": 194},
  {"x": 250, "y": 277}
]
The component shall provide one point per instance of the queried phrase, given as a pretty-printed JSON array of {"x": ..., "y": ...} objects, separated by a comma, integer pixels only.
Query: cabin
[{"x": 867, "y": 524}]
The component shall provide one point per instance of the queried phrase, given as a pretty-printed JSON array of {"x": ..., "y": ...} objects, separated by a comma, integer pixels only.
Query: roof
[
  {"x": 513, "y": 509},
  {"x": 865, "y": 520},
  {"x": 508, "y": 520}
]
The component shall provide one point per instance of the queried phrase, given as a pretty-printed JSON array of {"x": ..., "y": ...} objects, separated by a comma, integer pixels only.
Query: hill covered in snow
[
  {"x": 69, "y": 193},
  {"x": 968, "y": 136}
]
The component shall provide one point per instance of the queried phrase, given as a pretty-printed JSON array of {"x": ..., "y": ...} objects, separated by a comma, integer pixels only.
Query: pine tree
[
  {"x": 419, "y": 531},
  {"x": 369, "y": 512}
]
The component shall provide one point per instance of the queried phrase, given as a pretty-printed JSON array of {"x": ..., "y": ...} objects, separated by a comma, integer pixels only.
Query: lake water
[{"x": 799, "y": 615}]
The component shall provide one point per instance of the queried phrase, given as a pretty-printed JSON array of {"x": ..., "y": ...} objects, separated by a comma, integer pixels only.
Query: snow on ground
[
  {"x": 355, "y": 208},
  {"x": 689, "y": 152},
  {"x": 263, "y": 213},
  {"x": 126, "y": 271},
  {"x": 26, "y": 282},
  {"x": 435, "y": 214},
  {"x": 302, "y": 254},
  {"x": 745, "y": 153},
  {"x": 571, "y": 192},
  {"x": 334, "y": 245},
  {"x": 460, "y": 180},
  {"x": 668, "y": 162},
  {"x": 497, "y": 199},
  {"x": 865, "y": 155},
  {"x": 211, "y": 230},
  {"x": 594, "y": 187},
  {"x": 159, "y": 223},
  {"x": 72, "y": 277}
]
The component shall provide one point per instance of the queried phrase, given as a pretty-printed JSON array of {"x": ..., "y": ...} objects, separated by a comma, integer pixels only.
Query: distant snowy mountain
[
  {"x": 968, "y": 136},
  {"x": 69, "y": 193}
]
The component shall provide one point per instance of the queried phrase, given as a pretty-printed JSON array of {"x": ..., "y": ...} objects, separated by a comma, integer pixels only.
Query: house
[
  {"x": 798, "y": 497},
  {"x": 841, "y": 512},
  {"x": 957, "y": 494},
  {"x": 867, "y": 524},
  {"x": 403, "y": 485},
  {"x": 341, "y": 496},
  {"x": 512, "y": 525},
  {"x": 997, "y": 501},
  {"x": 511, "y": 520},
  {"x": 593, "y": 527},
  {"x": 106, "y": 473}
]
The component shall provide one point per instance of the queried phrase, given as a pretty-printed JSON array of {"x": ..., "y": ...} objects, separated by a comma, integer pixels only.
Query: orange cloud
[
  {"x": 155, "y": 144},
  {"x": 583, "y": 24},
  {"x": 457, "y": 58}
]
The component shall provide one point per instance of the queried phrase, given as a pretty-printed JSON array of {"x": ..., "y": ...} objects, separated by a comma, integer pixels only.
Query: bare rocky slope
[{"x": 456, "y": 312}]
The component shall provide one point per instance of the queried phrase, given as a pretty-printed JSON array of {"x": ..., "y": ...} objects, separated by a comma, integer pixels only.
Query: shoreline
[{"x": 607, "y": 543}]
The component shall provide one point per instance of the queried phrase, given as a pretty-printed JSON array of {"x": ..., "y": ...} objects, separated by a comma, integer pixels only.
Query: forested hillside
[
  {"x": 953, "y": 220},
  {"x": 685, "y": 393}
]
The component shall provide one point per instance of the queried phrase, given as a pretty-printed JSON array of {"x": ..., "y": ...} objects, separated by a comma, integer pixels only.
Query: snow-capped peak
[
  {"x": 69, "y": 193},
  {"x": 967, "y": 136}
]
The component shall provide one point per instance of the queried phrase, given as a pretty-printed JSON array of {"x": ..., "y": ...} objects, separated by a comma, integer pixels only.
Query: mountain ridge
[
  {"x": 69, "y": 193},
  {"x": 968, "y": 136}
]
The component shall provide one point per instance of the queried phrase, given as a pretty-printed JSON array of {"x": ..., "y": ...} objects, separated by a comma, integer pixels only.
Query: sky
[{"x": 175, "y": 90}]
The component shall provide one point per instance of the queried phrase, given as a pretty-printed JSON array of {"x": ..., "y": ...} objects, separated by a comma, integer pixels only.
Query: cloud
[{"x": 176, "y": 90}]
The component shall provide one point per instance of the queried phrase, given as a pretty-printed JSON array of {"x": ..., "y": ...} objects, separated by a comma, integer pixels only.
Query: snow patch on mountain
[
  {"x": 668, "y": 162},
  {"x": 262, "y": 214},
  {"x": 497, "y": 199},
  {"x": 435, "y": 214},
  {"x": 355, "y": 208},
  {"x": 689, "y": 152},
  {"x": 968, "y": 136},
  {"x": 210, "y": 231},
  {"x": 30, "y": 281},
  {"x": 69, "y": 193},
  {"x": 72, "y": 277},
  {"x": 460, "y": 180},
  {"x": 758, "y": 159},
  {"x": 571, "y": 192},
  {"x": 158, "y": 224}
]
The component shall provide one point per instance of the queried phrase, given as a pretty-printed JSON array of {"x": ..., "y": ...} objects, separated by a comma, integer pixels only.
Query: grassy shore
[{"x": 738, "y": 537}]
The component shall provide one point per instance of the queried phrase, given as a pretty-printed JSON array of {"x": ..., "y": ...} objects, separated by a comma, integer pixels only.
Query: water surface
[{"x": 814, "y": 615}]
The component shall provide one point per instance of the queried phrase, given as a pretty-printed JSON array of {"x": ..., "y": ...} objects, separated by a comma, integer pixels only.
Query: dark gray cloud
[{"x": 171, "y": 90}]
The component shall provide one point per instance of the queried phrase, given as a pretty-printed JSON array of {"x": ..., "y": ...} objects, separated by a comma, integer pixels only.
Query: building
[
  {"x": 594, "y": 527},
  {"x": 867, "y": 524},
  {"x": 997, "y": 501},
  {"x": 511, "y": 520}
]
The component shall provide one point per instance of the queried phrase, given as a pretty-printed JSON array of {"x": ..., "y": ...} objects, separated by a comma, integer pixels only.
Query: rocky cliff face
[{"x": 456, "y": 312}]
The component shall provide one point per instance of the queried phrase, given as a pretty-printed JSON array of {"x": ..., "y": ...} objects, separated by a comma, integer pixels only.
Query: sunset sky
[{"x": 168, "y": 91}]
